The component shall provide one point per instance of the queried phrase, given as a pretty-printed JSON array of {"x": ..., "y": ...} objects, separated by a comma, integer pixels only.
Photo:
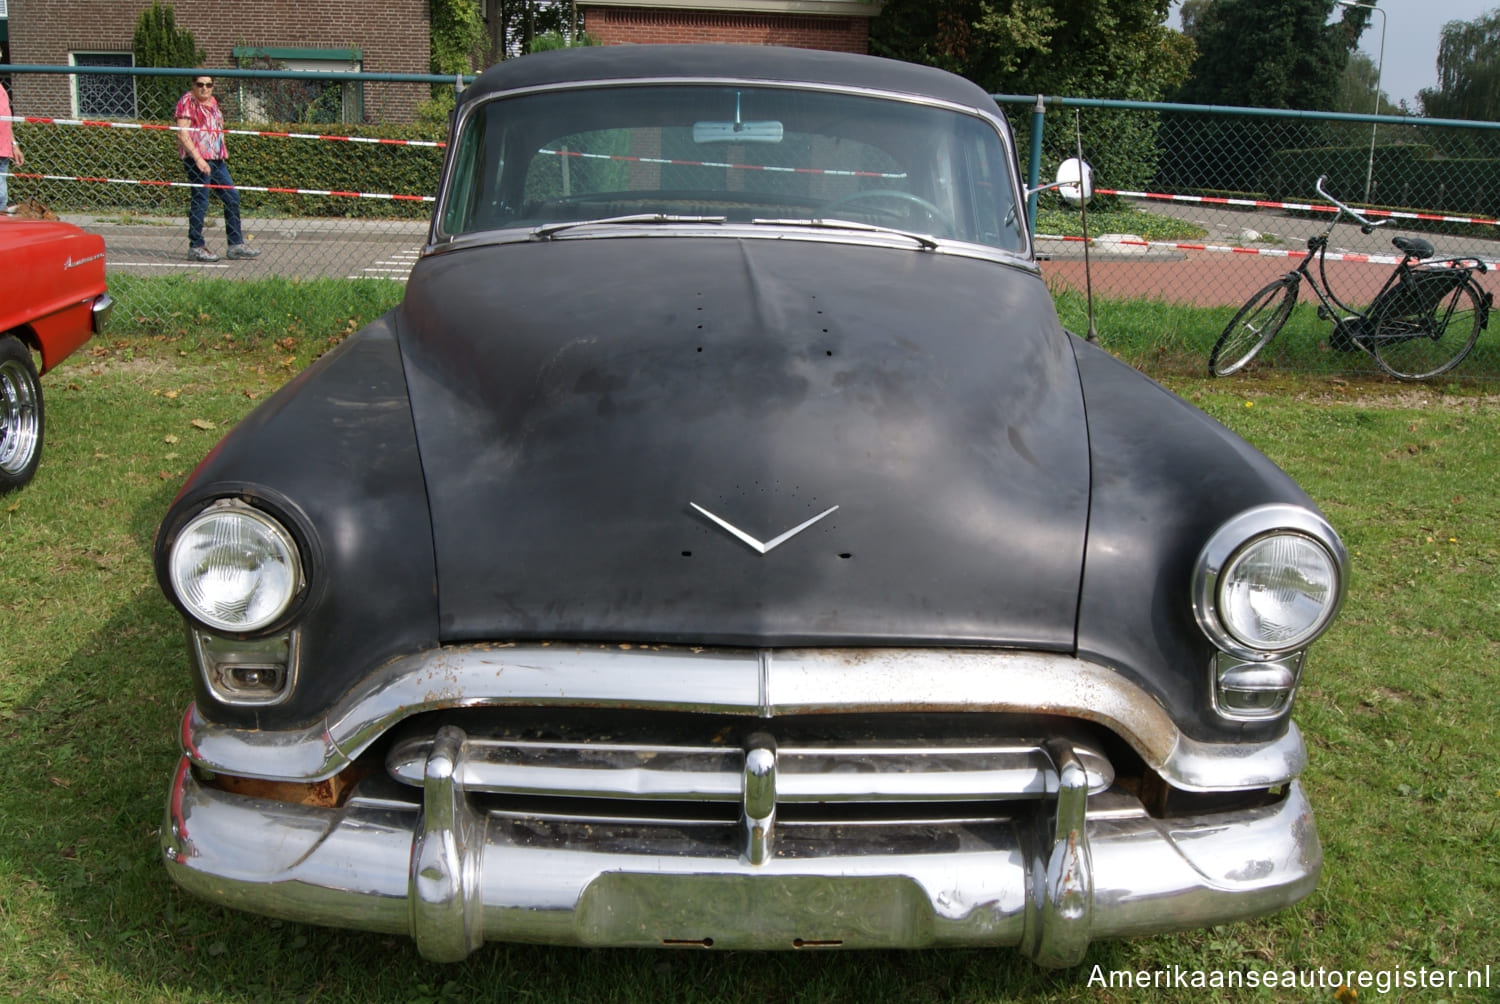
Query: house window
[
  {"x": 308, "y": 98},
  {"x": 103, "y": 95}
]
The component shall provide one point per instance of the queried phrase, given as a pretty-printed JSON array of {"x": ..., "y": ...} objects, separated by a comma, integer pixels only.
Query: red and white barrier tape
[
  {"x": 668, "y": 161},
  {"x": 1303, "y": 207},
  {"x": 1212, "y": 200},
  {"x": 241, "y": 188},
  {"x": 159, "y": 127},
  {"x": 1350, "y": 256}
]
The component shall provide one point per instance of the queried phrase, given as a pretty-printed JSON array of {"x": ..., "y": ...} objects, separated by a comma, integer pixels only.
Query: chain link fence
[
  {"x": 1197, "y": 208},
  {"x": 335, "y": 175}
]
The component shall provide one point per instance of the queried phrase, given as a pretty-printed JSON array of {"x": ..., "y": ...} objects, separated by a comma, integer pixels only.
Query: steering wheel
[{"x": 942, "y": 218}]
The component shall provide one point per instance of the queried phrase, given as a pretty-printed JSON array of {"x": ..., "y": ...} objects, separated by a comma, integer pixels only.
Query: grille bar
[{"x": 905, "y": 772}]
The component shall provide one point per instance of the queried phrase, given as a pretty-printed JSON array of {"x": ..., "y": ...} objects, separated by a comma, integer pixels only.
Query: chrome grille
[{"x": 915, "y": 780}]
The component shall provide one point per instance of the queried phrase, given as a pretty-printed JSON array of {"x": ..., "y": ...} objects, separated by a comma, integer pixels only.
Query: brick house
[
  {"x": 387, "y": 37},
  {"x": 837, "y": 25},
  {"x": 392, "y": 36}
]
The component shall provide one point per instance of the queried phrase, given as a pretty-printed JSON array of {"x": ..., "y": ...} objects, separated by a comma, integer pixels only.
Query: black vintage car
[{"x": 724, "y": 545}]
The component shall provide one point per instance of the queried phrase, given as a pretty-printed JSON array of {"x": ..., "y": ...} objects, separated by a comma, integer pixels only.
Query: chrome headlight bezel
[
  {"x": 272, "y": 539},
  {"x": 1238, "y": 537}
]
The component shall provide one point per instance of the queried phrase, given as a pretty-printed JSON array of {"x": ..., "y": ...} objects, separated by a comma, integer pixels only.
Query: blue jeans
[
  {"x": 218, "y": 174},
  {"x": 4, "y": 180}
]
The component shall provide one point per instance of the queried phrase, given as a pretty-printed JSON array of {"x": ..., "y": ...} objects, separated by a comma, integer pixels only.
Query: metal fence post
[{"x": 1034, "y": 173}]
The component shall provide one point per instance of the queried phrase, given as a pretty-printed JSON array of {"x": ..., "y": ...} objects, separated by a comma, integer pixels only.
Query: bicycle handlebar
[{"x": 1365, "y": 225}]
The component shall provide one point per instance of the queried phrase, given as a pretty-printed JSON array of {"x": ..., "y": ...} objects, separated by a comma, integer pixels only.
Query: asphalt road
[
  {"x": 337, "y": 248},
  {"x": 293, "y": 248}
]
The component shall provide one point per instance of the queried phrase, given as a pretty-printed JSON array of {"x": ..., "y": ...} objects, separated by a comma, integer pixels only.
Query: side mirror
[{"x": 1075, "y": 181}]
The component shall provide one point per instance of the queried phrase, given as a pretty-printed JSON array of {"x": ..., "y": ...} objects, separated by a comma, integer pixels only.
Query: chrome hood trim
[{"x": 767, "y": 683}]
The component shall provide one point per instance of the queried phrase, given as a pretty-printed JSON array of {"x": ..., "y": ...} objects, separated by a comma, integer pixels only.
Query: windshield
[{"x": 739, "y": 153}]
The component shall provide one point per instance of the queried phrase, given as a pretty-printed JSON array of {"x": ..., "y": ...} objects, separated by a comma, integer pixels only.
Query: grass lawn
[{"x": 1400, "y": 708}]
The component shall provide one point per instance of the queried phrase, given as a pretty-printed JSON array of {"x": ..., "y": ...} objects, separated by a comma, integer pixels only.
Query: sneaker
[
  {"x": 242, "y": 251},
  {"x": 11, "y": 210},
  {"x": 201, "y": 254}
]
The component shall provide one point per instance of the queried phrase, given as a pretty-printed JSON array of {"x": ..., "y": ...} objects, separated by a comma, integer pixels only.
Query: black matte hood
[{"x": 575, "y": 398}]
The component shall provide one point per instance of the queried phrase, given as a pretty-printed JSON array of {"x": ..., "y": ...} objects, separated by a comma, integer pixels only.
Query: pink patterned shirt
[
  {"x": 206, "y": 124},
  {"x": 7, "y": 143}
]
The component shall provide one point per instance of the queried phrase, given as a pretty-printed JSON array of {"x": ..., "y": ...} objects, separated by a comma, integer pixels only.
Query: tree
[
  {"x": 1269, "y": 53},
  {"x": 1358, "y": 89},
  {"x": 1259, "y": 54},
  {"x": 1082, "y": 48},
  {"x": 1468, "y": 65},
  {"x": 158, "y": 42},
  {"x": 457, "y": 29},
  {"x": 1074, "y": 48},
  {"x": 456, "y": 33},
  {"x": 521, "y": 26},
  {"x": 550, "y": 40}
]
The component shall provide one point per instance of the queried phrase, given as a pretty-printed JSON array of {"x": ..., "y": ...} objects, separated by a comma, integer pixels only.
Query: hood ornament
[{"x": 756, "y": 545}]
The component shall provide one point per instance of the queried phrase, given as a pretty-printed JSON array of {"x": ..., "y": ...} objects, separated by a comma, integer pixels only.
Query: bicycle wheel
[
  {"x": 1254, "y": 326},
  {"x": 1422, "y": 344}
]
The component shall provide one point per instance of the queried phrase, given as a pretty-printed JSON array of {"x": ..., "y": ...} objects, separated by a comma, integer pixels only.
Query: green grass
[
  {"x": 192, "y": 309},
  {"x": 1168, "y": 339},
  {"x": 1152, "y": 226},
  {"x": 1400, "y": 709}
]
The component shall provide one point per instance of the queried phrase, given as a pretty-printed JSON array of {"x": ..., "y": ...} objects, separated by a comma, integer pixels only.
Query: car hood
[{"x": 583, "y": 405}]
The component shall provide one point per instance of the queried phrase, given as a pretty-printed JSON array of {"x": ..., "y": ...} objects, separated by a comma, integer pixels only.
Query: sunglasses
[{"x": 200, "y": 83}]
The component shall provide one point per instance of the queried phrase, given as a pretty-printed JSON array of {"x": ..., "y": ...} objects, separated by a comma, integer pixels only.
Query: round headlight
[
  {"x": 1269, "y": 581},
  {"x": 1278, "y": 592},
  {"x": 234, "y": 568}
]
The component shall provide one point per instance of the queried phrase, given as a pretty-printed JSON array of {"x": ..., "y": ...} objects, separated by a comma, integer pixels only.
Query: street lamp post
[{"x": 1379, "y": 70}]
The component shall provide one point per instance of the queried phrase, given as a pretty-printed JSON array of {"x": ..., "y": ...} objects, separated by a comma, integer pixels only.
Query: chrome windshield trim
[
  {"x": 744, "y": 682},
  {"x": 437, "y": 239}
]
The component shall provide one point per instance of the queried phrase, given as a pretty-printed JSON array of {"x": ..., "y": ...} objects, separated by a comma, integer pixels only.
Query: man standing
[
  {"x": 9, "y": 150},
  {"x": 200, "y": 137}
]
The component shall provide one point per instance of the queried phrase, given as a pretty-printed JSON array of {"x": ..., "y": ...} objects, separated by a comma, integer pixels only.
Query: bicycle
[{"x": 1423, "y": 322}]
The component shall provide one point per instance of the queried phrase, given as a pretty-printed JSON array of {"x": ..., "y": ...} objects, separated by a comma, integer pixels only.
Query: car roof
[{"x": 731, "y": 62}]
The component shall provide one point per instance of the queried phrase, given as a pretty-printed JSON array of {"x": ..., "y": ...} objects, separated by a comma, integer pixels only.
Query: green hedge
[
  {"x": 272, "y": 162},
  {"x": 1406, "y": 174}
]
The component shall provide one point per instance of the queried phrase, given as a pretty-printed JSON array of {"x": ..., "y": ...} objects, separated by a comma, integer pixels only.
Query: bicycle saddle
[{"x": 1414, "y": 246}]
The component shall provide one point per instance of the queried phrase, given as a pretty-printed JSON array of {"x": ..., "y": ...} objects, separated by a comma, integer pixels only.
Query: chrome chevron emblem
[{"x": 759, "y": 546}]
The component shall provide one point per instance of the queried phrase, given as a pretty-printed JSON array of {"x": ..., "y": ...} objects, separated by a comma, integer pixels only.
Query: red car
[{"x": 52, "y": 299}]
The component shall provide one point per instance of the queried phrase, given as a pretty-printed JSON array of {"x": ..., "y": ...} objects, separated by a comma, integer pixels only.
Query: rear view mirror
[
  {"x": 736, "y": 132},
  {"x": 1075, "y": 181}
]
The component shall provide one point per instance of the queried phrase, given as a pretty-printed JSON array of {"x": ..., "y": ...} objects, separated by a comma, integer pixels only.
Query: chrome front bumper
[{"x": 1064, "y": 869}]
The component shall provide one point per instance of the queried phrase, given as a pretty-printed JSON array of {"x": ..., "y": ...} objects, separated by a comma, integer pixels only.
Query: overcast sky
[{"x": 1411, "y": 40}]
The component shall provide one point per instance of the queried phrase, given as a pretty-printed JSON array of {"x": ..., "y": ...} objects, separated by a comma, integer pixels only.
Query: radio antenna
[{"x": 1088, "y": 275}]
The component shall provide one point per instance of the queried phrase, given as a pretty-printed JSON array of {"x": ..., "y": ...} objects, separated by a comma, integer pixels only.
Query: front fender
[
  {"x": 334, "y": 455},
  {"x": 1165, "y": 476}
]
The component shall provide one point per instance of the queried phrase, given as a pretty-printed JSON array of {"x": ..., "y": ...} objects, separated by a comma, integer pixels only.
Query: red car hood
[{"x": 48, "y": 271}]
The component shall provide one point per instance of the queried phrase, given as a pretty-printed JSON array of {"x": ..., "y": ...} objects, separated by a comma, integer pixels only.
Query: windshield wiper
[
  {"x": 928, "y": 243},
  {"x": 546, "y": 231}
]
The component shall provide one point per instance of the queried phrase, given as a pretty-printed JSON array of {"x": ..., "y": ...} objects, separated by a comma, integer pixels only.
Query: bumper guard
[{"x": 1064, "y": 870}]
